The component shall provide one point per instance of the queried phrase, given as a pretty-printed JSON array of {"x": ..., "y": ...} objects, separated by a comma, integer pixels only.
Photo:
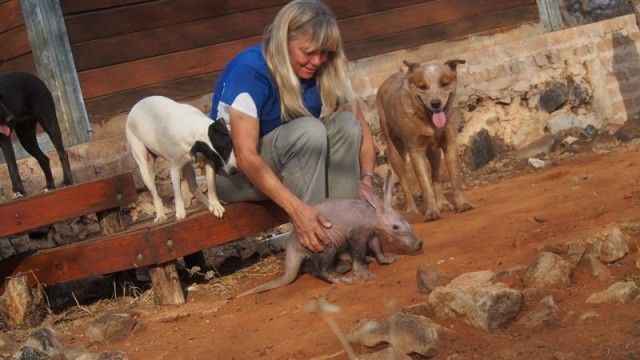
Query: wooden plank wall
[
  {"x": 15, "y": 49},
  {"x": 128, "y": 49}
]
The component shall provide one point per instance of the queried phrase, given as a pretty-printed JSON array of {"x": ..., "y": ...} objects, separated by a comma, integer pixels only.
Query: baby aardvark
[{"x": 354, "y": 226}]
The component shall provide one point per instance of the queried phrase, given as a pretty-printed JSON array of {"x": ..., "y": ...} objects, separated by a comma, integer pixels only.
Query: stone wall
[
  {"x": 595, "y": 67},
  {"x": 585, "y": 75}
]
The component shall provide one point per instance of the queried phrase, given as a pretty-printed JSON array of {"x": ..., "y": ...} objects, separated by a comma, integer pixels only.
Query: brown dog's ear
[
  {"x": 453, "y": 64},
  {"x": 412, "y": 66}
]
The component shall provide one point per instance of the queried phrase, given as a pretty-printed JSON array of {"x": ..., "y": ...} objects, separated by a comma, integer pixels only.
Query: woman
[{"x": 286, "y": 101}]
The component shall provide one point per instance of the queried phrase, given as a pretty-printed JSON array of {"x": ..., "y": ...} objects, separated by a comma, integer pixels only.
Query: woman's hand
[
  {"x": 309, "y": 225},
  {"x": 308, "y": 222}
]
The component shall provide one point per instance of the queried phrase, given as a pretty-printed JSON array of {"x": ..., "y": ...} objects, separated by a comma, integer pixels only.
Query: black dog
[{"x": 25, "y": 101}]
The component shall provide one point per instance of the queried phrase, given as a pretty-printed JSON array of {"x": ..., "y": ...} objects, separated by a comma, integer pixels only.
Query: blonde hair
[{"x": 295, "y": 19}]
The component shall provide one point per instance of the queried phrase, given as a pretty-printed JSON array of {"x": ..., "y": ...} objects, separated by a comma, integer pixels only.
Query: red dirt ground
[{"x": 516, "y": 217}]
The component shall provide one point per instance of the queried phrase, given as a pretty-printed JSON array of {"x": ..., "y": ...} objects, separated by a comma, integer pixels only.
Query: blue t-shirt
[{"x": 246, "y": 85}]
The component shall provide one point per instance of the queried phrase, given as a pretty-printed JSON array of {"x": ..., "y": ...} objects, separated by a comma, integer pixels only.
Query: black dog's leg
[
  {"x": 26, "y": 132},
  {"x": 56, "y": 139},
  {"x": 10, "y": 158}
]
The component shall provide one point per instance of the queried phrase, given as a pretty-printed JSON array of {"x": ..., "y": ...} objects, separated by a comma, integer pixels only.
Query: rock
[
  {"x": 536, "y": 163},
  {"x": 589, "y": 131},
  {"x": 630, "y": 130},
  {"x": 423, "y": 309},
  {"x": 480, "y": 150},
  {"x": 429, "y": 278},
  {"x": 544, "y": 315},
  {"x": 548, "y": 270},
  {"x": 579, "y": 94},
  {"x": 542, "y": 146},
  {"x": 478, "y": 299},
  {"x": 609, "y": 246},
  {"x": 589, "y": 316},
  {"x": 114, "y": 326},
  {"x": 7, "y": 345},
  {"x": 29, "y": 353},
  {"x": 553, "y": 98},
  {"x": 46, "y": 340},
  {"x": 405, "y": 332},
  {"x": 575, "y": 251},
  {"x": 624, "y": 292},
  {"x": 595, "y": 268},
  {"x": 532, "y": 295}
]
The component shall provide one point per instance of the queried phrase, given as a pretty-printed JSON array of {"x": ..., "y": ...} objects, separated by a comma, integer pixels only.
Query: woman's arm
[
  {"x": 308, "y": 223},
  {"x": 367, "y": 148}
]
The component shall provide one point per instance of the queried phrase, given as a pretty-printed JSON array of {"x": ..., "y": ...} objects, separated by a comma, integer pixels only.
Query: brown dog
[{"x": 419, "y": 118}]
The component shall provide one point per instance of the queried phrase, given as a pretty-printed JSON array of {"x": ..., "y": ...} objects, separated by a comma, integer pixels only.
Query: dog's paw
[
  {"x": 18, "y": 195},
  {"x": 462, "y": 204},
  {"x": 445, "y": 206},
  {"x": 159, "y": 218},
  {"x": 431, "y": 215},
  {"x": 181, "y": 214},
  {"x": 217, "y": 210}
]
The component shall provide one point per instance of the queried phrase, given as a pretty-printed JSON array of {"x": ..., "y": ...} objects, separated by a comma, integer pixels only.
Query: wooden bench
[{"x": 156, "y": 246}]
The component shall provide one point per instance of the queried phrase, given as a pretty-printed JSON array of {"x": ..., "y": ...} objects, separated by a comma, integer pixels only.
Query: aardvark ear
[
  {"x": 389, "y": 182},
  {"x": 369, "y": 195}
]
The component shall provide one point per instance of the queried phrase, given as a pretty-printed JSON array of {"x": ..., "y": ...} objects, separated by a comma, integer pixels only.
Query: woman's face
[{"x": 305, "y": 63}]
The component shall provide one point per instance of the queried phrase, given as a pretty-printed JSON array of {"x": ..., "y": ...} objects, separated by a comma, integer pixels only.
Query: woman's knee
[
  {"x": 345, "y": 128},
  {"x": 308, "y": 132}
]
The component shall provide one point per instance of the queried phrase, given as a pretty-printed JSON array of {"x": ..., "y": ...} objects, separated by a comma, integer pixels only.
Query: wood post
[
  {"x": 53, "y": 59},
  {"x": 550, "y": 15},
  {"x": 20, "y": 305},
  {"x": 111, "y": 222},
  {"x": 167, "y": 289}
]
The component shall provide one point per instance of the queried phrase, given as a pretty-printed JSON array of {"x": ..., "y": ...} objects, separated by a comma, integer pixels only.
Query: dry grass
[{"x": 224, "y": 287}]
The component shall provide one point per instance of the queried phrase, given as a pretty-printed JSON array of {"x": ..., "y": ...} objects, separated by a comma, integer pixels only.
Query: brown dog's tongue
[
  {"x": 4, "y": 129},
  {"x": 439, "y": 119}
]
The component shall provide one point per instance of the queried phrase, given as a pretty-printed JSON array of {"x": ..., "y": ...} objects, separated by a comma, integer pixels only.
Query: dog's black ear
[
  {"x": 206, "y": 151},
  {"x": 412, "y": 66},
  {"x": 220, "y": 138},
  {"x": 453, "y": 64}
]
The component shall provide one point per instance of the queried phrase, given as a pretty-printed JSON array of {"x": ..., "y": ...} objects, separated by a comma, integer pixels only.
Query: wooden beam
[
  {"x": 11, "y": 15},
  {"x": 175, "y": 38},
  {"x": 152, "y": 14},
  {"x": 150, "y": 245},
  {"x": 80, "y": 260},
  {"x": 440, "y": 32},
  {"x": 66, "y": 203},
  {"x": 104, "y": 107},
  {"x": 203, "y": 230},
  {"x": 159, "y": 69}
]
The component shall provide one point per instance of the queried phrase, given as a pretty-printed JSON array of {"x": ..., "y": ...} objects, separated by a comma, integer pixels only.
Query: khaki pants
[{"x": 314, "y": 160}]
